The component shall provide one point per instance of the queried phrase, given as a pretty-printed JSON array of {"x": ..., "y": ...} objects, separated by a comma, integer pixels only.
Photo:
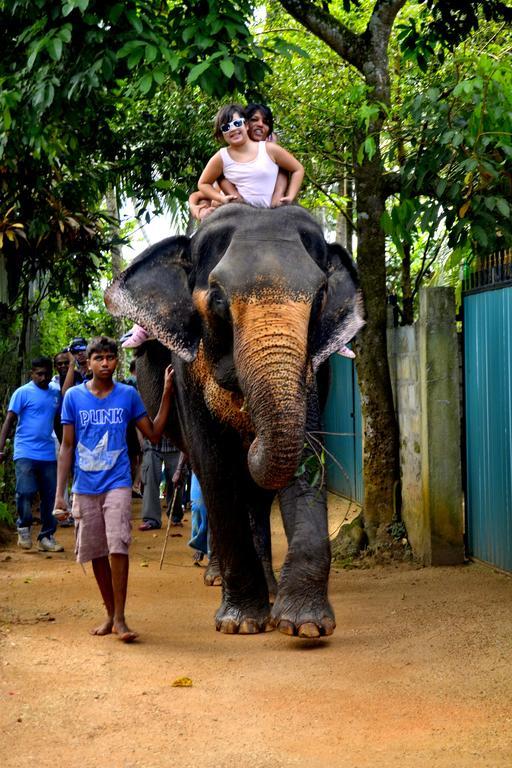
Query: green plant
[
  {"x": 397, "y": 530},
  {"x": 6, "y": 514},
  {"x": 312, "y": 465}
]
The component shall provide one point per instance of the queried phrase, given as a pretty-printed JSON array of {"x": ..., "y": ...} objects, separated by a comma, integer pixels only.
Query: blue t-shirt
[
  {"x": 101, "y": 454},
  {"x": 35, "y": 409}
]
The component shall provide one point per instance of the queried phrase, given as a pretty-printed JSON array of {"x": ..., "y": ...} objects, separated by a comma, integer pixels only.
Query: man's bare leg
[
  {"x": 119, "y": 565},
  {"x": 103, "y": 575}
]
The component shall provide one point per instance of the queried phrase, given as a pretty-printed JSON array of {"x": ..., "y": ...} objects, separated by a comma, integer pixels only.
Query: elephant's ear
[
  {"x": 343, "y": 312},
  {"x": 154, "y": 292}
]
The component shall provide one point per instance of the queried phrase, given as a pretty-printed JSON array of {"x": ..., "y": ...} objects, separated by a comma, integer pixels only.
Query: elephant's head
[{"x": 267, "y": 298}]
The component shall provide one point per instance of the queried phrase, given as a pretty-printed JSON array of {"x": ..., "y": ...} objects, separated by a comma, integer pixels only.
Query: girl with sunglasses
[{"x": 251, "y": 166}]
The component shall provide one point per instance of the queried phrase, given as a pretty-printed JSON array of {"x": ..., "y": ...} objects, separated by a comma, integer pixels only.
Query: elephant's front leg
[
  {"x": 259, "y": 516},
  {"x": 226, "y": 488},
  {"x": 302, "y": 607}
]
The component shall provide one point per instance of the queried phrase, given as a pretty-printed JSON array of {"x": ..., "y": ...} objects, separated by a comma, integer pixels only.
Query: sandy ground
[{"x": 417, "y": 674}]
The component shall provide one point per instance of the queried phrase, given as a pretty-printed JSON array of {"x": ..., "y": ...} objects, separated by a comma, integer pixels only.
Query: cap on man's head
[{"x": 78, "y": 344}]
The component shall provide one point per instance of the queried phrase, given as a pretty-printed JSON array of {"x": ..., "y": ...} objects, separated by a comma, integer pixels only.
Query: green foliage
[
  {"x": 312, "y": 466},
  {"x": 318, "y": 105},
  {"x": 177, "y": 132},
  {"x": 462, "y": 135},
  {"x": 60, "y": 321},
  {"x": 453, "y": 137},
  {"x": 443, "y": 25},
  {"x": 397, "y": 530},
  {"x": 97, "y": 54},
  {"x": 7, "y": 515}
]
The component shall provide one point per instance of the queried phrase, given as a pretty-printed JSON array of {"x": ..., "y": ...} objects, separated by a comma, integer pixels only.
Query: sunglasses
[{"x": 225, "y": 127}]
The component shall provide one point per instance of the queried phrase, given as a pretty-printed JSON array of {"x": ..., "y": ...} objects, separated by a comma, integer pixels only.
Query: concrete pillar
[
  {"x": 409, "y": 422},
  {"x": 440, "y": 428}
]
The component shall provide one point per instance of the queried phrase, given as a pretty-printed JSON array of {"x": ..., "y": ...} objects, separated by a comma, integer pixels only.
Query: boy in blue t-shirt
[
  {"x": 32, "y": 408},
  {"x": 95, "y": 416}
]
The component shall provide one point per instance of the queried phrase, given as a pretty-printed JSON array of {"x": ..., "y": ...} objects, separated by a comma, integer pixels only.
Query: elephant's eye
[
  {"x": 217, "y": 302},
  {"x": 319, "y": 302},
  {"x": 324, "y": 299}
]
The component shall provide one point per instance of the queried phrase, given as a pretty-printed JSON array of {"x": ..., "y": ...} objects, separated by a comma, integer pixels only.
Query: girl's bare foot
[
  {"x": 103, "y": 629},
  {"x": 123, "y": 632}
]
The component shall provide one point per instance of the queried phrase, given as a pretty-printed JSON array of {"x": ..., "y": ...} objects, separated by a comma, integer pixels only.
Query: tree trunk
[
  {"x": 407, "y": 293},
  {"x": 344, "y": 231},
  {"x": 117, "y": 264},
  {"x": 380, "y": 453},
  {"x": 22, "y": 340}
]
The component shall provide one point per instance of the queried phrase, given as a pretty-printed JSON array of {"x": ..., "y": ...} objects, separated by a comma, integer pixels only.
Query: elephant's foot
[
  {"x": 250, "y": 620},
  {"x": 212, "y": 576},
  {"x": 298, "y": 615}
]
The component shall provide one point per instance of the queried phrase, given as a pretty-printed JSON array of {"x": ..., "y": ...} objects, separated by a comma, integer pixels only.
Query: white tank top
[{"x": 254, "y": 180}]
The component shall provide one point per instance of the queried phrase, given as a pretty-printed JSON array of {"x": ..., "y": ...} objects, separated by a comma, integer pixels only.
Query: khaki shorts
[{"x": 102, "y": 524}]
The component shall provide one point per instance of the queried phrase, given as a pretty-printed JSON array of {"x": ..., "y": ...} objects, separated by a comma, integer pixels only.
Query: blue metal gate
[
  {"x": 488, "y": 416},
  {"x": 343, "y": 425}
]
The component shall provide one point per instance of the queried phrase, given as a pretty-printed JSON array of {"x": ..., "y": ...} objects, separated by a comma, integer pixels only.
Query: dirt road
[{"x": 417, "y": 674}]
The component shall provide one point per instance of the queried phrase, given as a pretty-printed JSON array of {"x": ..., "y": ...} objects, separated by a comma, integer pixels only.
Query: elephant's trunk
[{"x": 270, "y": 344}]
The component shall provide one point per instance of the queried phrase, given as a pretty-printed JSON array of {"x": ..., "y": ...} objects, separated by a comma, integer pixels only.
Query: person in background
[
  {"x": 153, "y": 457},
  {"x": 64, "y": 378},
  {"x": 132, "y": 376},
  {"x": 199, "y": 524},
  {"x": 61, "y": 363},
  {"x": 33, "y": 408},
  {"x": 78, "y": 348}
]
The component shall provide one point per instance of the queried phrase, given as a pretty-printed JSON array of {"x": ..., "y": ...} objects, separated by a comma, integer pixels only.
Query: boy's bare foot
[
  {"x": 123, "y": 632},
  {"x": 103, "y": 629}
]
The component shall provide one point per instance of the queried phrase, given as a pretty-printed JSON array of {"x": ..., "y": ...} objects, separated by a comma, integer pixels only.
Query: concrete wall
[{"x": 424, "y": 362}]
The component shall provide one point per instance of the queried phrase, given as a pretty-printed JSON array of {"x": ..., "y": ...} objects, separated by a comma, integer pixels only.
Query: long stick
[{"x": 168, "y": 525}]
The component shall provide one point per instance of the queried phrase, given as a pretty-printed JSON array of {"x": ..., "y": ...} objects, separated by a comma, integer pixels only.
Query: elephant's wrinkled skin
[{"x": 247, "y": 309}]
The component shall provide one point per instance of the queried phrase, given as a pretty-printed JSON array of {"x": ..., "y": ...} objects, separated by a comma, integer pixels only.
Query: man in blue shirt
[
  {"x": 95, "y": 417},
  {"x": 33, "y": 406}
]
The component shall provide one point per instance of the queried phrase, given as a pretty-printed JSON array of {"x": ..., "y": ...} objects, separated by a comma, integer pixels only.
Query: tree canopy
[{"x": 72, "y": 74}]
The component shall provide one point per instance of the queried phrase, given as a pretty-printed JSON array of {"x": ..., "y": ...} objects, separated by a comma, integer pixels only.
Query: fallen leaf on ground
[{"x": 182, "y": 682}]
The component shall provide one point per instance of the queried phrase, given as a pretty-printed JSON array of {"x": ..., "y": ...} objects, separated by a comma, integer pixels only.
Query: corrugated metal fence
[
  {"x": 343, "y": 426},
  {"x": 487, "y": 313}
]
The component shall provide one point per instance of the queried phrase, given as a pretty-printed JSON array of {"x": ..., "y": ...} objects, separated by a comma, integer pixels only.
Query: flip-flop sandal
[{"x": 148, "y": 526}]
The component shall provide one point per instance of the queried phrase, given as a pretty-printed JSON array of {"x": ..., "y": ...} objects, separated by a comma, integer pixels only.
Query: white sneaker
[
  {"x": 24, "y": 538},
  {"x": 48, "y": 544}
]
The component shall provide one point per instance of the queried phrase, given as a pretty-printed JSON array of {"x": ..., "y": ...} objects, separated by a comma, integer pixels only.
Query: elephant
[{"x": 248, "y": 309}]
